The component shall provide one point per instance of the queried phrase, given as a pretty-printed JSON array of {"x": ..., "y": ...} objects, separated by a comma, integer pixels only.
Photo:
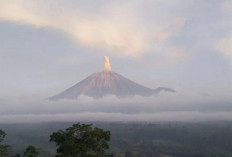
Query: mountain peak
[{"x": 107, "y": 82}]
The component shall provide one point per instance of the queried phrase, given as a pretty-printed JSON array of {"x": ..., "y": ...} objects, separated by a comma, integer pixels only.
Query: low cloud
[
  {"x": 187, "y": 116},
  {"x": 165, "y": 107}
]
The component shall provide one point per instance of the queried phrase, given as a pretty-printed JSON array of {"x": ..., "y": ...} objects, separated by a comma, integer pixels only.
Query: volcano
[{"x": 108, "y": 82}]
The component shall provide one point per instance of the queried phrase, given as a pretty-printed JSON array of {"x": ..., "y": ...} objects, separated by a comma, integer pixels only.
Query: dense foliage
[
  {"x": 30, "y": 151},
  {"x": 4, "y": 149},
  {"x": 136, "y": 139},
  {"x": 81, "y": 140}
]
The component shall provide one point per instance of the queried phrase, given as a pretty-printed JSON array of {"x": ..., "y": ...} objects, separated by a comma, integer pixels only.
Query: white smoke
[{"x": 107, "y": 66}]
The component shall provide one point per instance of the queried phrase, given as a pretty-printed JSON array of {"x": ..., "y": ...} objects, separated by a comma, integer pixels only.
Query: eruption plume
[{"x": 107, "y": 66}]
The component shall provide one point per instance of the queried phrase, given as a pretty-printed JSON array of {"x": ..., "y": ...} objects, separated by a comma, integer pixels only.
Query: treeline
[
  {"x": 5, "y": 150},
  {"x": 78, "y": 140},
  {"x": 135, "y": 139}
]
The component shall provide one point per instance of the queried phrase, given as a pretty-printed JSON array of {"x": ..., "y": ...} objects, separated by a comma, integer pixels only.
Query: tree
[
  {"x": 81, "y": 140},
  {"x": 4, "y": 149},
  {"x": 30, "y": 151},
  {"x": 17, "y": 155},
  {"x": 128, "y": 154}
]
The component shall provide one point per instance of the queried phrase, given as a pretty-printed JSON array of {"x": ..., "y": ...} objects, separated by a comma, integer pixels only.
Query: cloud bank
[{"x": 165, "y": 107}]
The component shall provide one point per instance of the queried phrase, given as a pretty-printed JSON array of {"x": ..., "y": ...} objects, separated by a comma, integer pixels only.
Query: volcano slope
[{"x": 108, "y": 82}]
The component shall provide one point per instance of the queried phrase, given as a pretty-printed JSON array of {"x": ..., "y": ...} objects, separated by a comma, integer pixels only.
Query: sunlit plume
[{"x": 107, "y": 66}]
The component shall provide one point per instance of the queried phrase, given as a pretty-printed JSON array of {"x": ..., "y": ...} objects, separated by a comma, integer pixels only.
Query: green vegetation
[
  {"x": 81, "y": 140},
  {"x": 30, "y": 151},
  {"x": 4, "y": 149},
  {"x": 132, "y": 139}
]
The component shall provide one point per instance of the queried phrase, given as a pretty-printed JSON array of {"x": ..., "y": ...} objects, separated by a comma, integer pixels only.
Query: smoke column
[{"x": 107, "y": 66}]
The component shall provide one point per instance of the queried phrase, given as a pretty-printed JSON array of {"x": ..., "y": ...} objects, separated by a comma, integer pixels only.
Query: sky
[{"x": 47, "y": 46}]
